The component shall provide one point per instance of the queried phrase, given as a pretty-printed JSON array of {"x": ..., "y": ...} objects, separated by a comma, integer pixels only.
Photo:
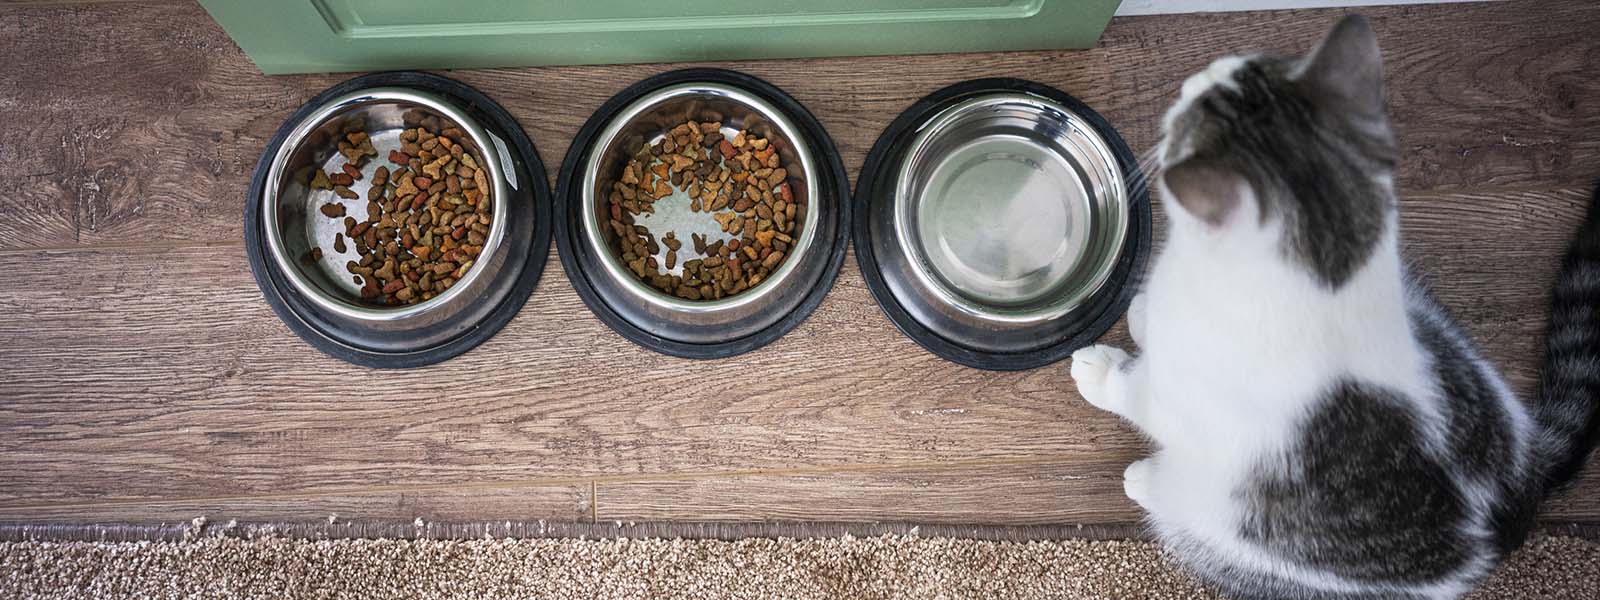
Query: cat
[{"x": 1322, "y": 428}]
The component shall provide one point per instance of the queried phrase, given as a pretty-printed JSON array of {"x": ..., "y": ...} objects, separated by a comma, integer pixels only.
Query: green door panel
[{"x": 306, "y": 36}]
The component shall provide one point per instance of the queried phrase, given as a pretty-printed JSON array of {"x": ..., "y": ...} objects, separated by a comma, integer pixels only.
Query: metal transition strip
[{"x": 445, "y": 530}]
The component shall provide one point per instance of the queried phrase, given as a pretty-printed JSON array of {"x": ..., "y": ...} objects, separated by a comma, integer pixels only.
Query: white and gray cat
[{"x": 1322, "y": 428}]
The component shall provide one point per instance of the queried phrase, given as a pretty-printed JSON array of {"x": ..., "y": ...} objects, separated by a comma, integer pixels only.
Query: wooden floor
[{"x": 143, "y": 378}]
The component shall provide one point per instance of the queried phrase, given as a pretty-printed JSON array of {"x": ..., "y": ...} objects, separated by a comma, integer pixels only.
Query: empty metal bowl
[
  {"x": 319, "y": 297},
  {"x": 997, "y": 224},
  {"x": 637, "y": 118}
]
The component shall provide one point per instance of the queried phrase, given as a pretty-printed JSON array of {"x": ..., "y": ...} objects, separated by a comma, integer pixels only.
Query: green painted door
[{"x": 364, "y": 35}]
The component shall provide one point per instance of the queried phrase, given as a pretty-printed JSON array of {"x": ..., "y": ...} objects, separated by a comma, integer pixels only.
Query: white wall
[{"x": 1166, "y": 7}]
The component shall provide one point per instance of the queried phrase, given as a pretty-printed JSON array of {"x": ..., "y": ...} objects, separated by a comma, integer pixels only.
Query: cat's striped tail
[{"x": 1568, "y": 412}]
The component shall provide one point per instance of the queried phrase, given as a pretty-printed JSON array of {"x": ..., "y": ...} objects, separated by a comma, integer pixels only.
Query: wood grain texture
[
  {"x": 150, "y": 133},
  {"x": 1033, "y": 493},
  {"x": 227, "y": 402},
  {"x": 121, "y": 361},
  {"x": 142, "y": 374}
]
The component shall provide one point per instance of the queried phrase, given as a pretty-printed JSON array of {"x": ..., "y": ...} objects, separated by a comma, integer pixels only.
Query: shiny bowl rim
[{"x": 317, "y": 118}]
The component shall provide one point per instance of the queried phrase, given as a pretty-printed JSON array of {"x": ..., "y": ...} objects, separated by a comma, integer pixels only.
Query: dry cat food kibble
[
  {"x": 741, "y": 183},
  {"x": 427, "y": 214}
]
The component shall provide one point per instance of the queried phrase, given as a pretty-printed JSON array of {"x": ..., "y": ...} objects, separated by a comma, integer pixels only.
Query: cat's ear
[
  {"x": 1208, "y": 192},
  {"x": 1347, "y": 68}
]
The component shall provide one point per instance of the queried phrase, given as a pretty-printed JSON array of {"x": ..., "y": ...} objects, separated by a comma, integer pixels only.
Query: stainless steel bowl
[
  {"x": 621, "y": 135},
  {"x": 294, "y": 225},
  {"x": 998, "y": 217},
  {"x": 319, "y": 298},
  {"x": 1009, "y": 212}
]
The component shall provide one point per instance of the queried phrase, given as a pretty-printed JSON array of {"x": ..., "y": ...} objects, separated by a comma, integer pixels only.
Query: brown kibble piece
[
  {"x": 351, "y": 153},
  {"x": 405, "y": 188},
  {"x": 333, "y": 210}
]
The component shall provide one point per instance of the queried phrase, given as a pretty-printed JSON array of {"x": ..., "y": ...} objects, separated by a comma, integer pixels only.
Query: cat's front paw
[
  {"x": 1136, "y": 481},
  {"x": 1093, "y": 367}
]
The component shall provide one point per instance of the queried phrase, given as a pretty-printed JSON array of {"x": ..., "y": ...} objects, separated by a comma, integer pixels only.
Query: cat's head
[{"x": 1299, "y": 147}]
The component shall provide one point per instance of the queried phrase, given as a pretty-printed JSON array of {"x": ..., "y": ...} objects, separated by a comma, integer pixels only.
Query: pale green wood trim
[{"x": 332, "y": 35}]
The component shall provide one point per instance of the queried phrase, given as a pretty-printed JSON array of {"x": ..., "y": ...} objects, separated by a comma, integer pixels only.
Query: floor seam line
[{"x": 594, "y": 480}]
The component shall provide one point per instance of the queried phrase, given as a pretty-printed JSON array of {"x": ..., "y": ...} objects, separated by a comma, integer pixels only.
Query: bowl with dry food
[
  {"x": 701, "y": 213},
  {"x": 398, "y": 219},
  {"x": 998, "y": 223}
]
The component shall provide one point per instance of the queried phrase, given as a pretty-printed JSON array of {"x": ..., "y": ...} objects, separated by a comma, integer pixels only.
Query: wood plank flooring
[{"x": 143, "y": 378}]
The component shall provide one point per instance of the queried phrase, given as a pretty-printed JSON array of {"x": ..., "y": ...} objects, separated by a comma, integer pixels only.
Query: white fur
[
  {"x": 1218, "y": 308},
  {"x": 1218, "y": 73},
  {"x": 1236, "y": 344}
]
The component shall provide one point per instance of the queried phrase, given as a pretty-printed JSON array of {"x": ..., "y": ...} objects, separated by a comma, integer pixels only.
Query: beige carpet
[{"x": 872, "y": 567}]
